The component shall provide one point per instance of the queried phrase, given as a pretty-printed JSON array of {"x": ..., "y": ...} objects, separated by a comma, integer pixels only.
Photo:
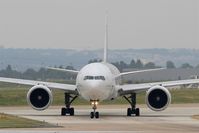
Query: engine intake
[
  {"x": 39, "y": 97},
  {"x": 158, "y": 98}
]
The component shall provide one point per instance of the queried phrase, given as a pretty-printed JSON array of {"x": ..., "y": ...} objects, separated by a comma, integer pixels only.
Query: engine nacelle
[
  {"x": 39, "y": 97},
  {"x": 158, "y": 98}
]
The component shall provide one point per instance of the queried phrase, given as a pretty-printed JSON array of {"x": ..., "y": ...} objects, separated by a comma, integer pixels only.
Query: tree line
[
  {"x": 46, "y": 74},
  {"x": 138, "y": 64},
  {"x": 41, "y": 74}
]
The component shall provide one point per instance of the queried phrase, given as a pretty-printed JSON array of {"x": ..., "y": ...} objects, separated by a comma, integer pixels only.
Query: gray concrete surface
[{"x": 176, "y": 119}]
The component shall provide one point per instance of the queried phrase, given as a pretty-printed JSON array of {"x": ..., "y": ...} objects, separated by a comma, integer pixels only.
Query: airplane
[{"x": 97, "y": 82}]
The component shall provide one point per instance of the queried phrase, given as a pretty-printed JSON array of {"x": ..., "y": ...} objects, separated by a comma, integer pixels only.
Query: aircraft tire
[
  {"x": 129, "y": 112},
  {"x": 63, "y": 111},
  {"x": 137, "y": 112},
  {"x": 71, "y": 111},
  {"x": 96, "y": 115},
  {"x": 92, "y": 115}
]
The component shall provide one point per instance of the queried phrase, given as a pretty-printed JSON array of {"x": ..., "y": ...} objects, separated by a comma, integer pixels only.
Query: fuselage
[{"x": 97, "y": 82}]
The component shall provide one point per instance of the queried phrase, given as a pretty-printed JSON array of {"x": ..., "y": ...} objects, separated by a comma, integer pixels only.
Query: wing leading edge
[
  {"x": 139, "y": 71},
  {"x": 135, "y": 88},
  {"x": 63, "y": 70},
  {"x": 65, "y": 87}
]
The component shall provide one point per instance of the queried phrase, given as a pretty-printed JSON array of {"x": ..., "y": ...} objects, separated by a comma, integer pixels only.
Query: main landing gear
[
  {"x": 68, "y": 101},
  {"x": 94, "y": 113},
  {"x": 133, "y": 110}
]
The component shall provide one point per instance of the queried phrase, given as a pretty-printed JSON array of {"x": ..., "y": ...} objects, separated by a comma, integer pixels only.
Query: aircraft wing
[
  {"x": 63, "y": 70},
  {"x": 139, "y": 71},
  {"x": 65, "y": 87},
  {"x": 135, "y": 88}
]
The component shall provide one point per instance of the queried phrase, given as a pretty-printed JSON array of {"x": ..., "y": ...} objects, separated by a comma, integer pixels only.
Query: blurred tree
[
  {"x": 150, "y": 65},
  {"x": 123, "y": 65},
  {"x": 94, "y": 61},
  {"x": 132, "y": 64},
  {"x": 30, "y": 74},
  {"x": 186, "y": 65},
  {"x": 170, "y": 65},
  {"x": 9, "y": 68},
  {"x": 139, "y": 64}
]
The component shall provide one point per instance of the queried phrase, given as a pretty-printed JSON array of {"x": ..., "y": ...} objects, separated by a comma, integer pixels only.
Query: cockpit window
[
  {"x": 99, "y": 78},
  {"x": 94, "y": 78},
  {"x": 88, "y": 78}
]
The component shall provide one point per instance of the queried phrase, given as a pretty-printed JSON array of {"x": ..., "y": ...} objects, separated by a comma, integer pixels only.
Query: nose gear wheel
[{"x": 94, "y": 113}]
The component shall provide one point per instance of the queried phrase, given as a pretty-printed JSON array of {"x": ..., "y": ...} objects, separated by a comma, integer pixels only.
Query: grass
[
  {"x": 15, "y": 95},
  {"x": 195, "y": 117},
  {"x": 185, "y": 96},
  {"x": 10, "y": 121}
]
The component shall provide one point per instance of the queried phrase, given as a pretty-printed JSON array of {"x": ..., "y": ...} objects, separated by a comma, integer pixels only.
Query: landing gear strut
[
  {"x": 94, "y": 113},
  {"x": 68, "y": 101},
  {"x": 133, "y": 109}
]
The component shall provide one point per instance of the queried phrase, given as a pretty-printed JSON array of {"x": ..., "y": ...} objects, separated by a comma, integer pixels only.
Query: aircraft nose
[
  {"x": 94, "y": 85},
  {"x": 95, "y": 90}
]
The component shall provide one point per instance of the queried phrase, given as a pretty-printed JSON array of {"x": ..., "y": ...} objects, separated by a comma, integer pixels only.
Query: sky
[{"x": 80, "y": 24}]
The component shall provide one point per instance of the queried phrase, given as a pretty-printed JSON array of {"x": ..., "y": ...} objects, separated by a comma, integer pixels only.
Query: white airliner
[{"x": 97, "y": 82}]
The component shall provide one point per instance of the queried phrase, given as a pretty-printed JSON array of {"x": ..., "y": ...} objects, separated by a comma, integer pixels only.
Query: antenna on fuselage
[{"x": 106, "y": 38}]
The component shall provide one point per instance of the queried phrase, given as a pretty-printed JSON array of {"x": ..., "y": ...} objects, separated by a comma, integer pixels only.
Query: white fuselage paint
[{"x": 96, "y": 89}]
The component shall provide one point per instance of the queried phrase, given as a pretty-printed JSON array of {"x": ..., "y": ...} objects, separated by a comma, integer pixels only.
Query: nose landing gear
[{"x": 94, "y": 113}]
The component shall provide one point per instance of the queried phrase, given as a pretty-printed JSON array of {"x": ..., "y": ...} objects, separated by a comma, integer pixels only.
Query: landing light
[{"x": 94, "y": 103}]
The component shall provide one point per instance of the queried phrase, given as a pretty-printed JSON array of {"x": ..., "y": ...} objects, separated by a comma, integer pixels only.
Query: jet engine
[
  {"x": 158, "y": 98},
  {"x": 39, "y": 97}
]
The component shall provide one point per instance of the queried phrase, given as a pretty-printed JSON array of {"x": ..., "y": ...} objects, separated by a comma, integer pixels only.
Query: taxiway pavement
[{"x": 175, "y": 119}]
